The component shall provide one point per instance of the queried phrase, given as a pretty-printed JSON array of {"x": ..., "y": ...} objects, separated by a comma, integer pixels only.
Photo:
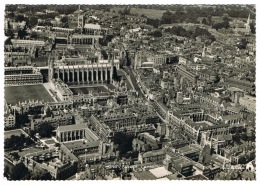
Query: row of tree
[
  {"x": 17, "y": 142},
  {"x": 156, "y": 33},
  {"x": 182, "y": 32},
  {"x": 20, "y": 172}
]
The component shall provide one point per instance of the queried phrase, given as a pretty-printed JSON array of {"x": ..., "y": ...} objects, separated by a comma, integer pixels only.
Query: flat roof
[
  {"x": 160, "y": 172},
  {"x": 144, "y": 175},
  {"x": 92, "y": 26},
  {"x": 81, "y": 145},
  {"x": 72, "y": 127}
]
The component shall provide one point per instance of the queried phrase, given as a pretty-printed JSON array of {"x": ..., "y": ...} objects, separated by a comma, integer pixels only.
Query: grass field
[
  {"x": 150, "y": 13},
  {"x": 50, "y": 141},
  {"x": 14, "y": 94},
  {"x": 85, "y": 90},
  {"x": 17, "y": 132},
  {"x": 28, "y": 150}
]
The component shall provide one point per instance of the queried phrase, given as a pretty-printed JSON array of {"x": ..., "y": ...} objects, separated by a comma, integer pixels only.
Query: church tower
[{"x": 80, "y": 18}]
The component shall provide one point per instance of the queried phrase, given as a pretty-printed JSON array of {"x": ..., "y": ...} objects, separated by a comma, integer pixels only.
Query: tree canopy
[
  {"x": 124, "y": 142},
  {"x": 156, "y": 33},
  {"x": 40, "y": 174},
  {"x": 45, "y": 129},
  {"x": 15, "y": 142},
  {"x": 18, "y": 172}
]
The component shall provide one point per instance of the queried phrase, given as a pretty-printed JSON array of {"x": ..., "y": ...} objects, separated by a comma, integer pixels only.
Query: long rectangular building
[
  {"x": 75, "y": 132},
  {"x": 192, "y": 77}
]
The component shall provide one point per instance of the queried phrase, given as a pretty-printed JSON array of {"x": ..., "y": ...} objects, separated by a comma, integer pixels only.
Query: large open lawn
[
  {"x": 150, "y": 13},
  {"x": 14, "y": 94},
  {"x": 16, "y": 132}
]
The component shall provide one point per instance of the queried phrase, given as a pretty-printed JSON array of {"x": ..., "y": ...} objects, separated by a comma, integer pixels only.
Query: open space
[
  {"x": 49, "y": 141},
  {"x": 16, "y": 94},
  {"x": 28, "y": 151},
  {"x": 17, "y": 132},
  {"x": 150, "y": 13},
  {"x": 86, "y": 90}
]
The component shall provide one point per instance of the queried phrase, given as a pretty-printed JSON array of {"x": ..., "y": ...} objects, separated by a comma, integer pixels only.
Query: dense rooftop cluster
[{"x": 107, "y": 92}]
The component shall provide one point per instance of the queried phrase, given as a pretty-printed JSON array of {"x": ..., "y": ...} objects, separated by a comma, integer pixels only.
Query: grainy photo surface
[{"x": 129, "y": 92}]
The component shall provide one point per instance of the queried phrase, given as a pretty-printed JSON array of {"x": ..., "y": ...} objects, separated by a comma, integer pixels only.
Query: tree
[
  {"x": 6, "y": 171},
  {"x": 126, "y": 11},
  {"x": 18, "y": 172},
  {"x": 15, "y": 142},
  {"x": 48, "y": 111},
  {"x": 252, "y": 27},
  {"x": 204, "y": 21},
  {"x": 221, "y": 25},
  {"x": 167, "y": 18},
  {"x": 226, "y": 19},
  {"x": 236, "y": 136},
  {"x": 22, "y": 33},
  {"x": 9, "y": 33},
  {"x": 242, "y": 44},
  {"x": 34, "y": 35},
  {"x": 153, "y": 22},
  {"x": 33, "y": 21},
  {"x": 45, "y": 129},
  {"x": 11, "y": 7},
  {"x": 40, "y": 174},
  {"x": 57, "y": 144},
  {"x": 124, "y": 142},
  {"x": 19, "y": 18},
  {"x": 64, "y": 19},
  {"x": 15, "y": 155},
  {"x": 244, "y": 137},
  {"x": 209, "y": 19},
  {"x": 156, "y": 33}
]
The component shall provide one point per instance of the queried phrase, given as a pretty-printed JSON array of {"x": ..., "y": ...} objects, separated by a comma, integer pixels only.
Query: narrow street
[{"x": 140, "y": 92}]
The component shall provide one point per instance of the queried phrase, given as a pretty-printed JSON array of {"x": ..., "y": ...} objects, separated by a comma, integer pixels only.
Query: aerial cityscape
[{"x": 129, "y": 92}]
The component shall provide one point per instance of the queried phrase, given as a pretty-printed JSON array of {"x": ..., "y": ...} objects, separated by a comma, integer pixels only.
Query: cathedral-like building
[{"x": 83, "y": 71}]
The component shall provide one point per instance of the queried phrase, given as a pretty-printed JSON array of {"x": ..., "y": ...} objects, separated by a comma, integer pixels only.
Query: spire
[
  {"x": 248, "y": 23},
  {"x": 248, "y": 19},
  {"x": 203, "y": 51}
]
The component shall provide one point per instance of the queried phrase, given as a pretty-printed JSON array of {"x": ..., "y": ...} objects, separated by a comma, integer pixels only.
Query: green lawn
[
  {"x": 150, "y": 13},
  {"x": 50, "y": 141},
  {"x": 28, "y": 151},
  {"x": 14, "y": 94},
  {"x": 17, "y": 132}
]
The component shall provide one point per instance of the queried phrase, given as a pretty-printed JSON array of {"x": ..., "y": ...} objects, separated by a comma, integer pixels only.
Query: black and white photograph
[{"x": 129, "y": 92}]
